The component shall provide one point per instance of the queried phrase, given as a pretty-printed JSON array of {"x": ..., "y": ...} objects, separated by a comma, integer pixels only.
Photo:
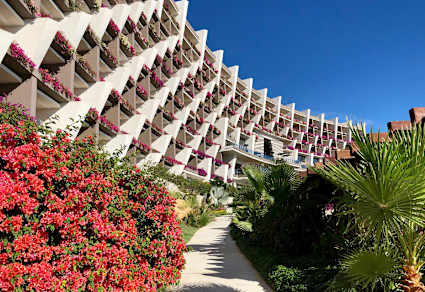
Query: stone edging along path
[{"x": 216, "y": 263}]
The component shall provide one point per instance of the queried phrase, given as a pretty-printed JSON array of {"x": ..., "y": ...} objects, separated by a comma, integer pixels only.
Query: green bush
[{"x": 286, "y": 271}]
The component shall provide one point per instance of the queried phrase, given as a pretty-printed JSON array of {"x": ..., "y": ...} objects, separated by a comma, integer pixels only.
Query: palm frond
[
  {"x": 368, "y": 267},
  {"x": 243, "y": 225},
  {"x": 256, "y": 176},
  {"x": 389, "y": 184}
]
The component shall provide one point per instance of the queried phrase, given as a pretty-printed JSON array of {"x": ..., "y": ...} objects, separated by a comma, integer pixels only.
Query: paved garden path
[{"x": 216, "y": 264}]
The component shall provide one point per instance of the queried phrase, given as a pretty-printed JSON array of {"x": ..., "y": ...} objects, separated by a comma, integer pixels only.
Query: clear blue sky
[{"x": 362, "y": 59}]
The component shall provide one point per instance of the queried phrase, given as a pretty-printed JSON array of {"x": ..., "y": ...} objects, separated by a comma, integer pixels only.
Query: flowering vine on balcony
[
  {"x": 177, "y": 62},
  {"x": 86, "y": 66},
  {"x": 210, "y": 64},
  {"x": 141, "y": 145},
  {"x": 198, "y": 85},
  {"x": 199, "y": 119},
  {"x": 236, "y": 102},
  {"x": 156, "y": 80},
  {"x": 137, "y": 31},
  {"x": 180, "y": 143},
  {"x": 213, "y": 176},
  {"x": 32, "y": 7},
  {"x": 122, "y": 100},
  {"x": 124, "y": 41},
  {"x": 158, "y": 129},
  {"x": 190, "y": 92},
  {"x": 169, "y": 114},
  {"x": 114, "y": 27},
  {"x": 167, "y": 69},
  {"x": 103, "y": 46},
  {"x": 57, "y": 85},
  {"x": 190, "y": 130},
  {"x": 64, "y": 44},
  {"x": 231, "y": 111},
  {"x": 95, "y": 116},
  {"x": 252, "y": 111},
  {"x": 108, "y": 124},
  {"x": 17, "y": 53},
  {"x": 146, "y": 70},
  {"x": 241, "y": 92},
  {"x": 171, "y": 161},
  {"x": 178, "y": 102},
  {"x": 223, "y": 92},
  {"x": 154, "y": 32}
]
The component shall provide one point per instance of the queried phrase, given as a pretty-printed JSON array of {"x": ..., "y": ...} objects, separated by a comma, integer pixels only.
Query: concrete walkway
[{"x": 216, "y": 264}]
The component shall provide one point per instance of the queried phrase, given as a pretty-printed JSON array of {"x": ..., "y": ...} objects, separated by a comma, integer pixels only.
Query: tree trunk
[{"x": 412, "y": 279}]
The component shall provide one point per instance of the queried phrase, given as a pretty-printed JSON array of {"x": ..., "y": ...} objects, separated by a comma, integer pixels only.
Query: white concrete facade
[{"x": 139, "y": 78}]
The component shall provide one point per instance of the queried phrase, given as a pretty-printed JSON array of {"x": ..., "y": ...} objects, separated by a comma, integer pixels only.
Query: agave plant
[{"x": 386, "y": 199}]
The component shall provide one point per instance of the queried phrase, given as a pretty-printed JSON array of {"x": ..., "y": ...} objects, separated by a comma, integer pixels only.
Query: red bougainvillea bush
[{"x": 73, "y": 218}]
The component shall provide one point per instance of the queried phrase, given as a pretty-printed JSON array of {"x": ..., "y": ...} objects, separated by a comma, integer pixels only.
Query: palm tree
[
  {"x": 272, "y": 188},
  {"x": 385, "y": 195}
]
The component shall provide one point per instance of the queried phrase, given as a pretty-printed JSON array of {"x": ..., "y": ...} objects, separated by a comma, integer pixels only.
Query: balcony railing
[
  {"x": 292, "y": 160},
  {"x": 258, "y": 154}
]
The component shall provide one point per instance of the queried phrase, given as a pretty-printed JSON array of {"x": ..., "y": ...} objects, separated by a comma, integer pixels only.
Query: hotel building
[{"x": 138, "y": 77}]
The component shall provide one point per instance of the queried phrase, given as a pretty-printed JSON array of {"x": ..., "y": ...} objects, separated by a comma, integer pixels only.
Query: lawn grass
[{"x": 188, "y": 231}]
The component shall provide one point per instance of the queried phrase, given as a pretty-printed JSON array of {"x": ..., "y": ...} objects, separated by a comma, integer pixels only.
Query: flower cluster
[
  {"x": 108, "y": 124},
  {"x": 94, "y": 115},
  {"x": 122, "y": 100},
  {"x": 213, "y": 176},
  {"x": 252, "y": 111},
  {"x": 156, "y": 127},
  {"x": 154, "y": 32},
  {"x": 124, "y": 41},
  {"x": 223, "y": 92},
  {"x": 241, "y": 92},
  {"x": 103, "y": 46},
  {"x": 210, "y": 64},
  {"x": 178, "y": 102},
  {"x": 114, "y": 27},
  {"x": 141, "y": 145},
  {"x": 156, "y": 80},
  {"x": 190, "y": 130},
  {"x": 19, "y": 55},
  {"x": 236, "y": 102},
  {"x": 57, "y": 85},
  {"x": 172, "y": 161},
  {"x": 71, "y": 219},
  {"x": 199, "y": 119},
  {"x": 137, "y": 31},
  {"x": 141, "y": 91},
  {"x": 180, "y": 143},
  {"x": 202, "y": 172},
  {"x": 86, "y": 66},
  {"x": 190, "y": 92},
  {"x": 169, "y": 114},
  {"x": 177, "y": 62},
  {"x": 198, "y": 85},
  {"x": 64, "y": 44},
  {"x": 167, "y": 69}
]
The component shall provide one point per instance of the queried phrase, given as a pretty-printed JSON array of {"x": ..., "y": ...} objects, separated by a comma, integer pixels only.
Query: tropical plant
[
  {"x": 385, "y": 196},
  {"x": 217, "y": 197},
  {"x": 75, "y": 218},
  {"x": 272, "y": 188}
]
